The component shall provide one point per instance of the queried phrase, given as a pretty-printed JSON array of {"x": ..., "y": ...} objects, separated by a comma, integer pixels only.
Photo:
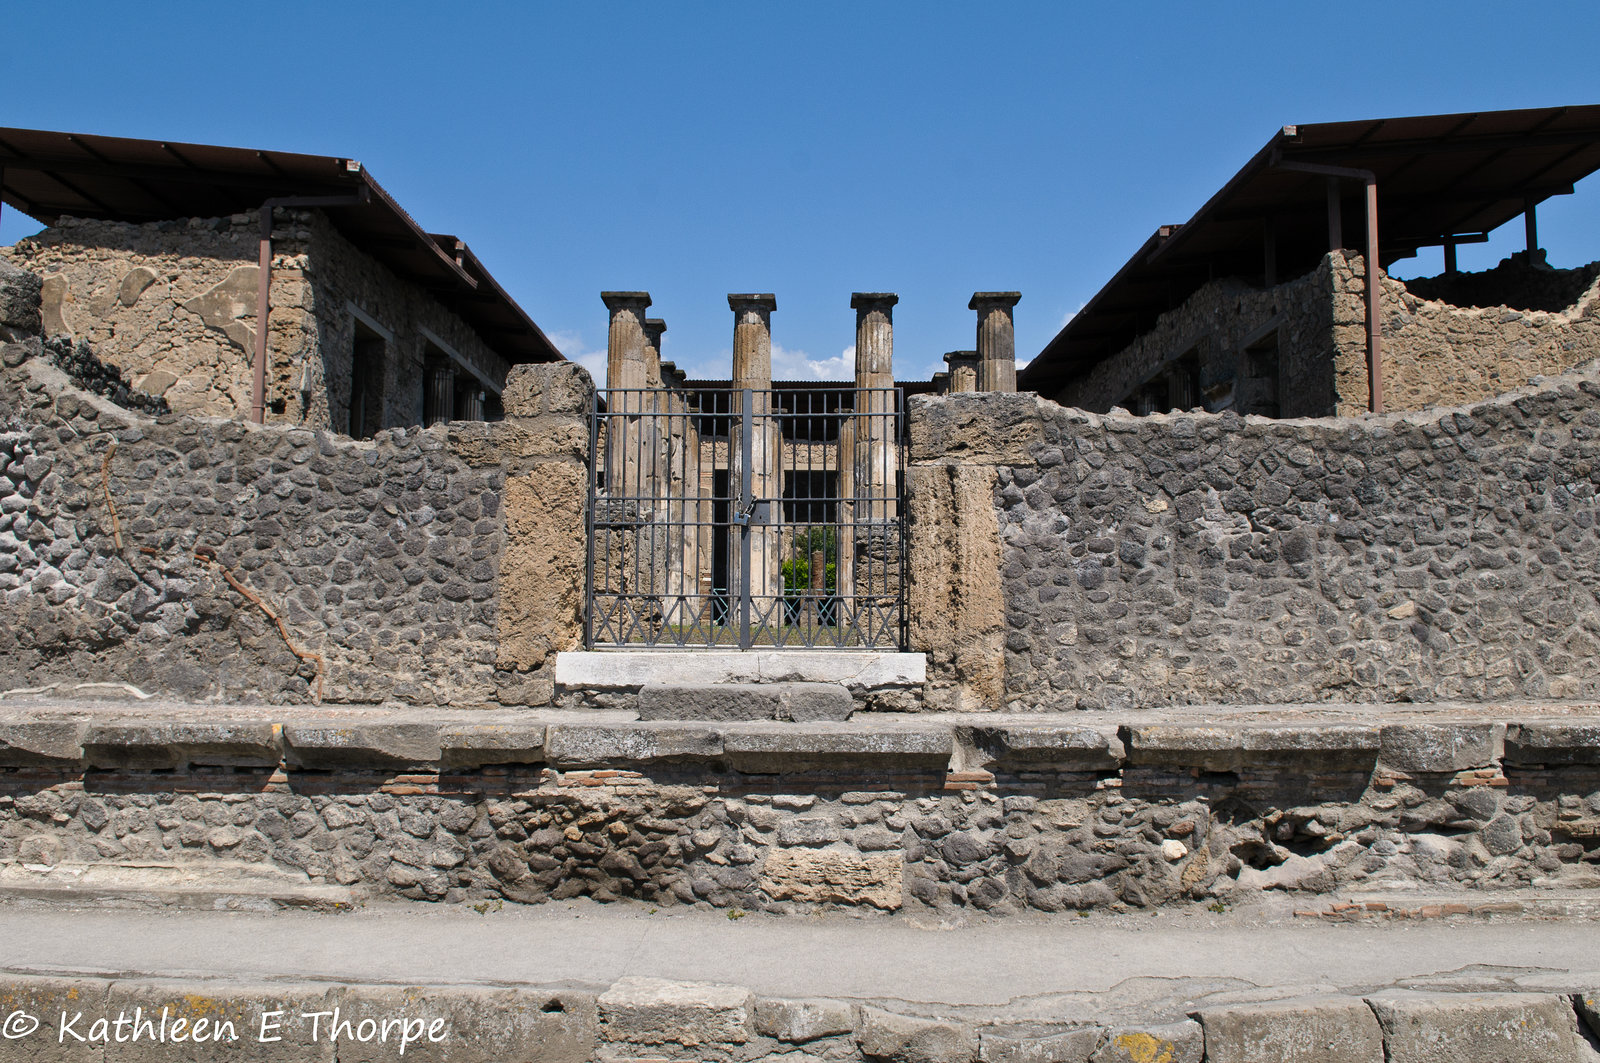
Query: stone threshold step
[
  {"x": 215, "y": 885},
  {"x": 857, "y": 670}
]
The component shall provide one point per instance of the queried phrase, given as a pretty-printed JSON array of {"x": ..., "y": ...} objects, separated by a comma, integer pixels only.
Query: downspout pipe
[
  {"x": 258, "y": 376},
  {"x": 1374, "y": 323}
]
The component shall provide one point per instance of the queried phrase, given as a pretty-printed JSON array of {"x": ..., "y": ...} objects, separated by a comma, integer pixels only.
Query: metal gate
[{"x": 722, "y": 517}]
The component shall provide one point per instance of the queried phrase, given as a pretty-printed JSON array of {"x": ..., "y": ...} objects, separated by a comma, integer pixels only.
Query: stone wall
[
  {"x": 389, "y": 561},
  {"x": 1212, "y": 558},
  {"x": 173, "y": 304},
  {"x": 1439, "y": 353},
  {"x": 1217, "y": 324},
  {"x": 999, "y": 814}
]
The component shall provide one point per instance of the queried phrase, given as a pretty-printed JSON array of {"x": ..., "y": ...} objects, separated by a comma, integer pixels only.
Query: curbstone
[
  {"x": 1174, "y": 1042},
  {"x": 883, "y": 1035},
  {"x": 360, "y": 745},
  {"x": 1536, "y": 744},
  {"x": 475, "y": 745},
  {"x": 177, "y": 745},
  {"x": 1072, "y": 747},
  {"x": 798, "y": 1021},
  {"x": 1305, "y": 1030},
  {"x": 1587, "y": 1005},
  {"x": 41, "y": 743},
  {"x": 1038, "y": 1043},
  {"x": 249, "y": 1008},
  {"x": 1437, "y": 747},
  {"x": 1325, "y": 747},
  {"x": 600, "y": 744},
  {"x": 1467, "y": 1027},
  {"x": 481, "y": 1024},
  {"x": 653, "y": 1011}
]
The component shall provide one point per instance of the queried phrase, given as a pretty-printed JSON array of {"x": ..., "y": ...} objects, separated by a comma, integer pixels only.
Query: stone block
[
  {"x": 472, "y": 745},
  {"x": 1035, "y": 1043},
  {"x": 799, "y": 1021},
  {"x": 163, "y": 744},
  {"x": 1587, "y": 1005},
  {"x": 1175, "y": 1042},
  {"x": 1232, "y": 747},
  {"x": 1466, "y": 1027},
  {"x": 1074, "y": 748},
  {"x": 1550, "y": 743},
  {"x": 652, "y": 1011},
  {"x": 41, "y": 743},
  {"x": 253, "y": 1014},
  {"x": 603, "y": 744},
  {"x": 331, "y": 745},
  {"x": 633, "y": 669},
  {"x": 1437, "y": 747},
  {"x": 800, "y": 702},
  {"x": 883, "y": 1035},
  {"x": 976, "y": 428},
  {"x": 1303, "y": 1030},
  {"x": 476, "y": 1024},
  {"x": 47, "y": 999},
  {"x": 773, "y": 747},
  {"x": 834, "y": 876},
  {"x": 541, "y": 388}
]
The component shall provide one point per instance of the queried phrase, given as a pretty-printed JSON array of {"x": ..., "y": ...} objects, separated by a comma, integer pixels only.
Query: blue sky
[{"x": 809, "y": 150}]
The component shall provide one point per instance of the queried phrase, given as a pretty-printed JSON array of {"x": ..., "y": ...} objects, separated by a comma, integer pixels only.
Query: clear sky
[{"x": 810, "y": 150}]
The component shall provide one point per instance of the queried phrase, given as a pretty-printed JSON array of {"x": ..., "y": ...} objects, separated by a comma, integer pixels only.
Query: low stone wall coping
[{"x": 76, "y": 737}]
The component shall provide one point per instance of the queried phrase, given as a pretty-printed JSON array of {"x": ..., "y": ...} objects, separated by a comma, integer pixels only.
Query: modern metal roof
[
  {"x": 1439, "y": 177},
  {"x": 49, "y": 174}
]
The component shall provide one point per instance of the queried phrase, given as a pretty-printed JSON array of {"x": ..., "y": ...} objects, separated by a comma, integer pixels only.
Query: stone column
[
  {"x": 997, "y": 340},
  {"x": 626, "y": 372},
  {"x": 963, "y": 371},
  {"x": 752, "y": 368},
  {"x": 440, "y": 402}
]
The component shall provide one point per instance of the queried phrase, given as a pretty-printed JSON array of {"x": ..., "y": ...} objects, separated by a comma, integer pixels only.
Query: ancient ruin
[{"x": 1271, "y": 575}]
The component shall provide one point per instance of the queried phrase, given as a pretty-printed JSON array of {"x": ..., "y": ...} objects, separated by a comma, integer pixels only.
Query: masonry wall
[
  {"x": 173, "y": 304},
  {"x": 1527, "y": 322},
  {"x": 1211, "y": 558},
  {"x": 439, "y": 566},
  {"x": 1218, "y": 323}
]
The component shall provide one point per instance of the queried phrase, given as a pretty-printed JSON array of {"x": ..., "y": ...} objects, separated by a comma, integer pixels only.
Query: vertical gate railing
[{"x": 724, "y": 517}]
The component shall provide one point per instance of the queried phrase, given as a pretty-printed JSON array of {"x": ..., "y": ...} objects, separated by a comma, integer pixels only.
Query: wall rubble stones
[
  {"x": 1009, "y": 816},
  {"x": 384, "y": 556},
  {"x": 1195, "y": 558}
]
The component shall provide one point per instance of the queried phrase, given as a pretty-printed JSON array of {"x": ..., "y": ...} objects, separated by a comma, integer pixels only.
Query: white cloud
[
  {"x": 1069, "y": 315},
  {"x": 573, "y": 346},
  {"x": 798, "y": 365}
]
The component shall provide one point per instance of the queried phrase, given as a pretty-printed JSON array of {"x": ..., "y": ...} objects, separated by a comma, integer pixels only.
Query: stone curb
[
  {"x": 51, "y": 1019},
  {"x": 460, "y": 740}
]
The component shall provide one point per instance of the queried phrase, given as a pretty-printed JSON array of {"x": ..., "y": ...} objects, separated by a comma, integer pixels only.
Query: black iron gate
[{"x": 722, "y": 517}]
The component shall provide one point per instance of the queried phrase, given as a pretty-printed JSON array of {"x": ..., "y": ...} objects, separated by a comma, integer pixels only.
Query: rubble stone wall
[
  {"x": 1438, "y": 353},
  {"x": 1217, "y": 323},
  {"x": 1217, "y": 559},
  {"x": 173, "y": 304},
  {"x": 959, "y": 813},
  {"x": 386, "y": 558}
]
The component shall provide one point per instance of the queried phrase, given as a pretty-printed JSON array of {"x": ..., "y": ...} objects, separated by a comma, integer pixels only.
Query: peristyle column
[
  {"x": 997, "y": 340},
  {"x": 752, "y": 369}
]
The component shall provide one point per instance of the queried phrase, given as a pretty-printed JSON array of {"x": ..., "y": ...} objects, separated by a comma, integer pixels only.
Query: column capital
[
  {"x": 635, "y": 301},
  {"x": 952, "y": 358},
  {"x": 873, "y": 300},
  {"x": 653, "y": 328},
  {"x": 752, "y": 301},
  {"x": 988, "y": 300}
]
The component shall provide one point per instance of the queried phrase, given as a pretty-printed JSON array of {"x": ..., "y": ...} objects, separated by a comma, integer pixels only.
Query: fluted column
[
  {"x": 997, "y": 341},
  {"x": 626, "y": 373},
  {"x": 875, "y": 428},
  {"x": 963, "y": 371},
  {"x": 752, "y": 368}
]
